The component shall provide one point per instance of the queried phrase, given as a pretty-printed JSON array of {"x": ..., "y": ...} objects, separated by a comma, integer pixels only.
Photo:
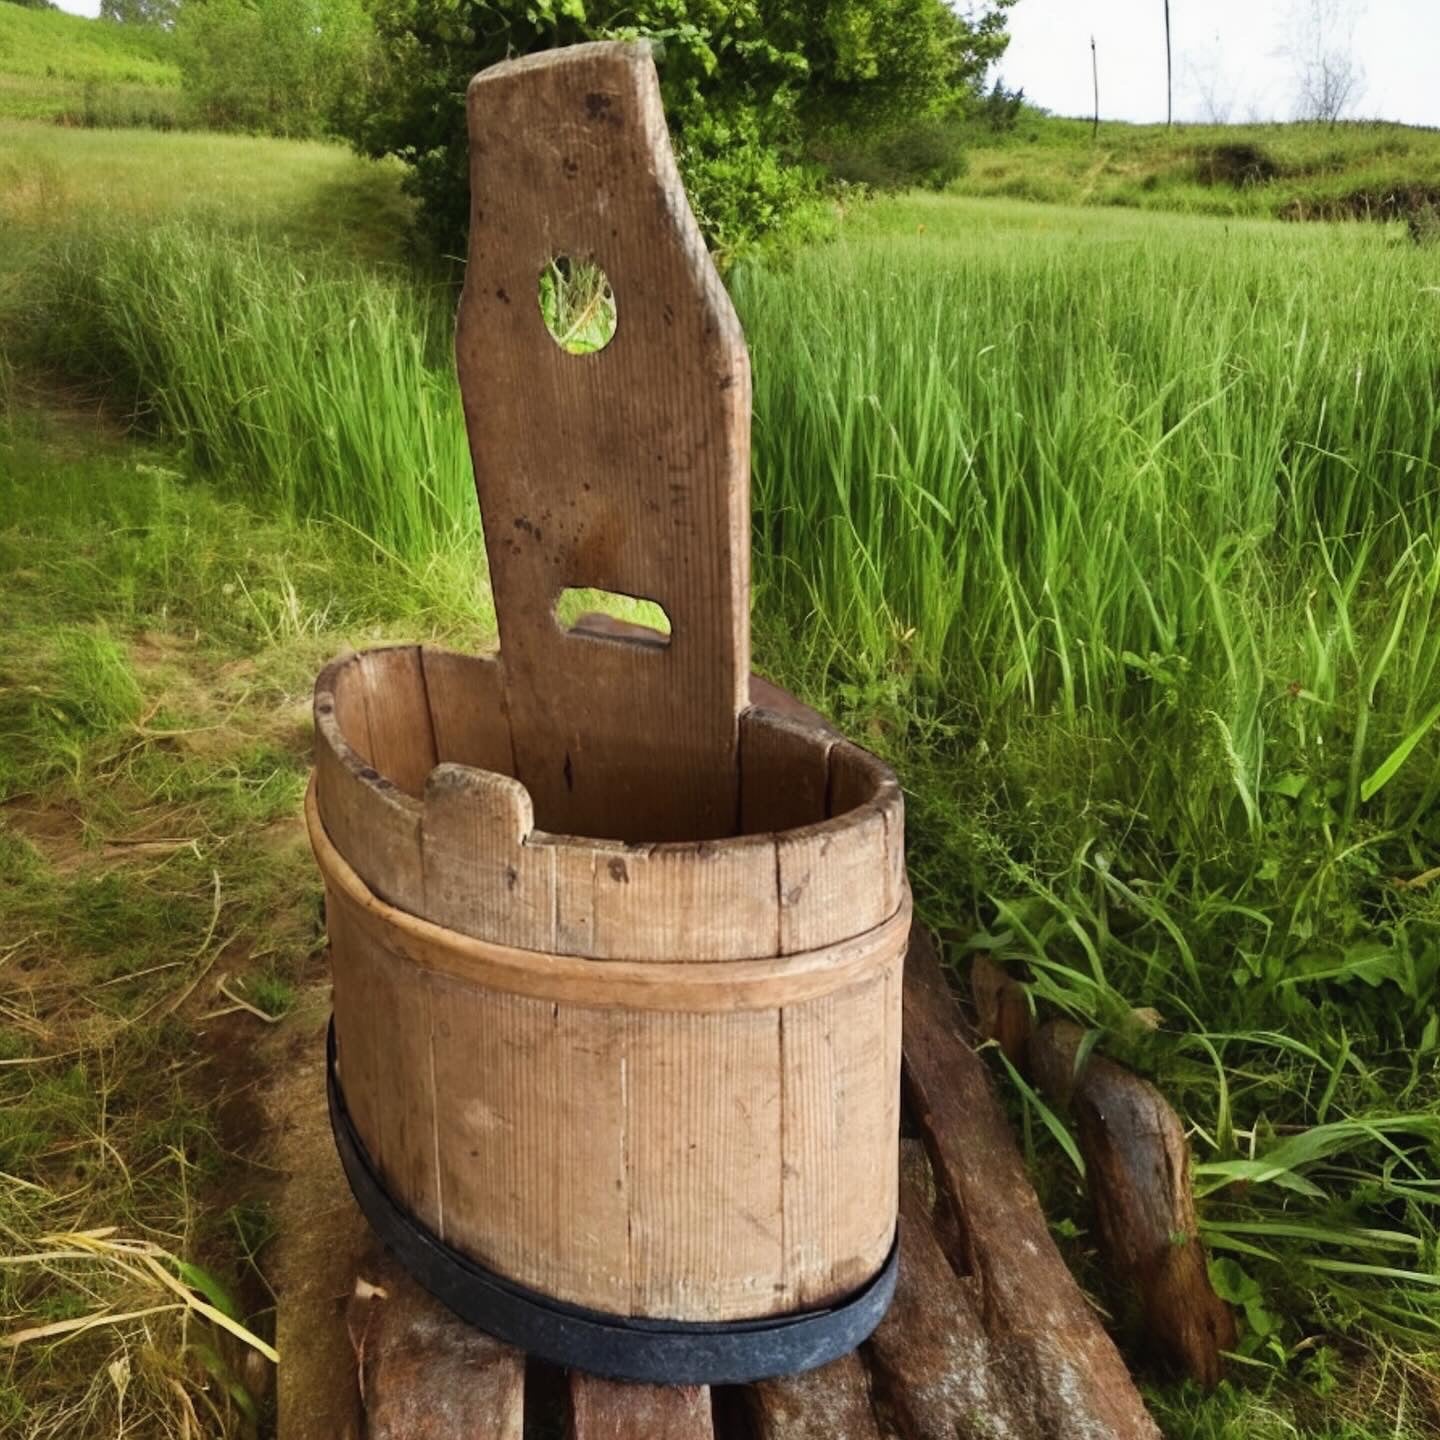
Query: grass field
[
  {"x": 1358, "y": 170},
  {"x": 54, "y": 65},
  {"x": 1116, "y": 531}
]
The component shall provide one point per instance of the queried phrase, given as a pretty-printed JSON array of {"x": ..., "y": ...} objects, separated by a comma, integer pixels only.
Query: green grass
[
  {"x": 1119, "y": 535},
  {"x": 315, "y": 194},
  {"x": 1116, "y": 531},
  {"x": 1309, "y": 170},
  {"x": 160, "y": 648},
  {"x": 54, "y": 65},
  {"x": 196, "y": 336}
]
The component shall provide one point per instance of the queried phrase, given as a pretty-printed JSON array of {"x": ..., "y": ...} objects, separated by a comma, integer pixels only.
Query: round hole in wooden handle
[{"x": 625, "y": 468}]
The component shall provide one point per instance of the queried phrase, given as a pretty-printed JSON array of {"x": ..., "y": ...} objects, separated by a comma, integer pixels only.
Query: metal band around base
[{"x": 661, "y": 1352}]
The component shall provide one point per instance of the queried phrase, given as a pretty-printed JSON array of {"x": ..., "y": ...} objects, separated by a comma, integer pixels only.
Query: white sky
[{"x": 1234, "y": 50}]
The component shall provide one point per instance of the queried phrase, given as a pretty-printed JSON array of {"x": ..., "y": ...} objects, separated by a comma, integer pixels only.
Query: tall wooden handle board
[{"x": 626, "y": 469}]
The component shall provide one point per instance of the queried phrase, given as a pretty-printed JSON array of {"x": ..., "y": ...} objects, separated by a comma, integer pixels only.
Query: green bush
[
  {"x": 272, "y": 66},
  {"x": 744, "y": 84}
]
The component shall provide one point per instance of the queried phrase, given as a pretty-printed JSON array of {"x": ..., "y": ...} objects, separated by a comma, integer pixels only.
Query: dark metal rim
[{"x": 665, "y": 1352}]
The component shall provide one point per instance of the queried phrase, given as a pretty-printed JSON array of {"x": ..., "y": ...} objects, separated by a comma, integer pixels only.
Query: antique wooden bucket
[{"x": 617, "y": 956}]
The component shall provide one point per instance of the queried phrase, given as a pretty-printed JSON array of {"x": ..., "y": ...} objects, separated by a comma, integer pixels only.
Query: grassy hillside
[
  {"x": 1294, "y": 171},
  {"x": 54, "y": 65},
  {"x": 53, "y": 179}
]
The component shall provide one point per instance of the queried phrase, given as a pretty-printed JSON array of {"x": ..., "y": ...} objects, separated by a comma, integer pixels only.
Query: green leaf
[
  {"x": 198, "y": 1278},
  {"x": 1052, "y": 1122},
  {"x": 1292, "y": 785},
  {"x": 1385, "y": 772}
]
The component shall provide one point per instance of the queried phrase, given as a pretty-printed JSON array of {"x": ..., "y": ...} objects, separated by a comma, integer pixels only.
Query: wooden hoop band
[{"x": 714, "y": 987}]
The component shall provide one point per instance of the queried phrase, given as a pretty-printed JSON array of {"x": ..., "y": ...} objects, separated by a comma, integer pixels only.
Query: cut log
[
  {"x": 1064, "y": 1378},
  {"x": 938, "y": 1373},
  {"x": 1002, "y": 1011},
  {"x": 605, "y": 1410},
  {"x": 1137, "y": 1164}
]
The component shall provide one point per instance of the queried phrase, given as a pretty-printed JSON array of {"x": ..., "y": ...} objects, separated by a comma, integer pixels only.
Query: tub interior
[{"x": 403, "y": 711}]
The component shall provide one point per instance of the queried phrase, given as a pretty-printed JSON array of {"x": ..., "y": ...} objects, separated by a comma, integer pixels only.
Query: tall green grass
[
  {"x": 1124, "y": 537},
  {"x": 325, "y": 389},
  {"x": 1120, "y": 535},
  {"x": 53, "y": 65}
]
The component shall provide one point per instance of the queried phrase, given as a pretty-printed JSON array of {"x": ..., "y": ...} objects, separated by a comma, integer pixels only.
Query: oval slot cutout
[
  {"x": 577, "y": 305},
  {"x": 607, "y": 615}
]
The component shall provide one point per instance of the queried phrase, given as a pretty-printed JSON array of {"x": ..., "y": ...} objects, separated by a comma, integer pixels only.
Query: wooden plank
[
  {"x": 1063, "y": 1363},
  {"x": 703, "y": 1149},
  {"x": 858, "y": 779},
  {"x": 784, "y": 772},
  {"x": 626, "y": 469},
  {"x": 340, "y": 691},
  {"x": 575, "y": 861},
  {"x": 372, "y": 824},
  {"x": 937, "y": 1373},
  {"x": 831, "y": 880},
  {"x": 606, "y": 1410},
  {"x": 531, "y": 1140},
  {"x": 831, "y": 1403},
  {"x": 481, "y": 877},
  {"x": 466, "y": 694},
  {"x": 402, "y": 742},
  {"x": 359, "y": 1045},
  {"x": 382, "y": 1024},
  {"x": 424, "y": 1374},
  {"x": 1137, "y": 1174},
  {"x": 703, "y": 901},
  {"x": 721, "y": 987},
  {"x": 839, "y": 1102}
]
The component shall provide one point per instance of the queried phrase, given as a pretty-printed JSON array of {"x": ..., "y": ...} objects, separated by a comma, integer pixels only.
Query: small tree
[
  {"x": 1214, "y": 100},
  {"x": 1329, "y": 79},
  {"x": 748, "y": 84}
]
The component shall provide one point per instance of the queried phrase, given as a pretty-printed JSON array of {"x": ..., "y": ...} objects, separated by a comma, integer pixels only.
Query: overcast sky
[
  {"x": 1233, "y": 50},
  {"x": 1230, "y": 55}
]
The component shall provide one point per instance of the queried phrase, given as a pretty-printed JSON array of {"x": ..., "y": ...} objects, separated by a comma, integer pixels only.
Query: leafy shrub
[
  {"x": 1238, "y": 164},
  {"x": 743, "y": 85},
  {"x": 274, "y": 66},
  {"x": 1000, "y": 109}
]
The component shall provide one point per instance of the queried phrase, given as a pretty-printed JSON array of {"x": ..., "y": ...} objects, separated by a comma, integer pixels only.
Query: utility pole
[
  {"x": 1095, "y": 71},
  {"x": 1169, "y": 74}
]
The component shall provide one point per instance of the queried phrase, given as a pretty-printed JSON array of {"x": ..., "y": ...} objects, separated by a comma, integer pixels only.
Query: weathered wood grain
[
  {"x": 626, "y": 469},
  {"x": 466, "y": 694},
  {"x": 784, "y": 772},
  {"x": 831, "y": 1403},
  {"x": 481, "y": 875},
  {"x": 1002, "y": 1012},
  {"x": 402, "y": 740},
  {"x": 939, "y": 1372},
  {"x": 839, "y": 1090},
  {"x": 1064, "y": 1370},
  {"x": 423, "y": 1373},
  {"x": 605, "y": 1410},
  {"x": 703, "y": 1160},
  {"x": 1137, "y": 1173}
]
